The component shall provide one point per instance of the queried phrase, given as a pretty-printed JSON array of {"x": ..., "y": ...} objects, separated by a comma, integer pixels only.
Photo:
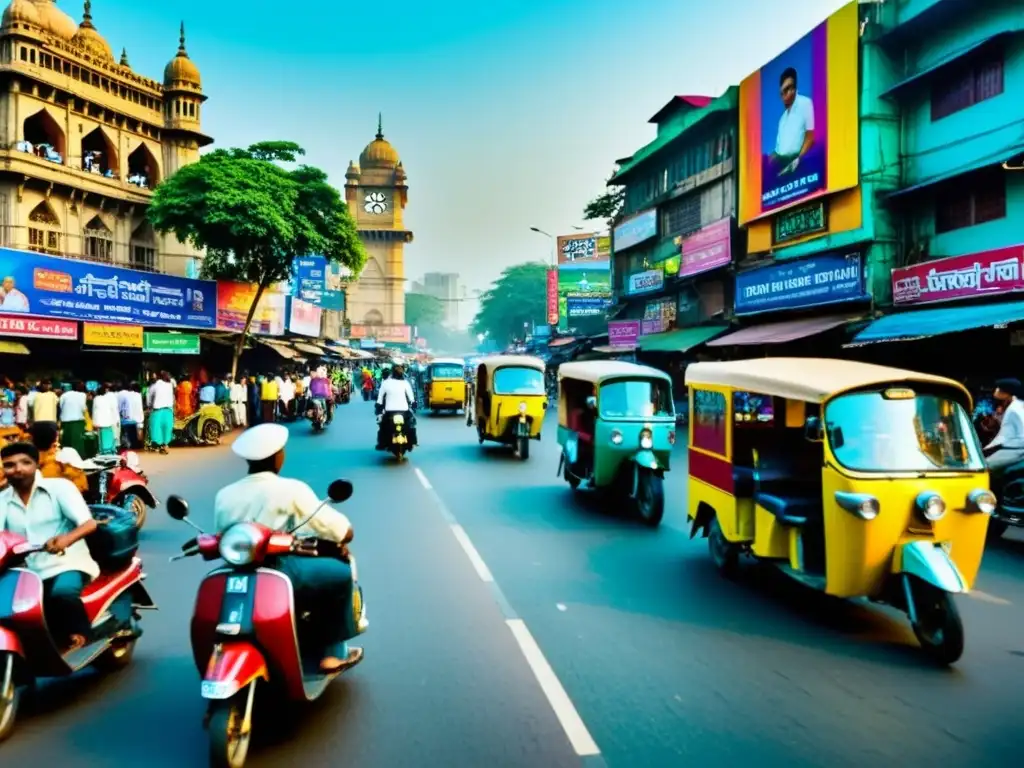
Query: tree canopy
[
  {"x": 423, "y": 310},
  {"x": 605, "y": 206},
  {"x": 252, "y": 216},
  {"x": 517, "y": 298}
]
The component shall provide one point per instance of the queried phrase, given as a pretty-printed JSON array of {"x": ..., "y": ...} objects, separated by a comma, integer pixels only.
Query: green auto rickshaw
[{"x": 616, "y": 427}]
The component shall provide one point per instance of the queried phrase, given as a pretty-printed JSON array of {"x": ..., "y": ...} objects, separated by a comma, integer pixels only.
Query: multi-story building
[
  {"x": 84, "y": 139},
  {"x": 446, "y": 288},
  {"x": 677, "y": 229}
]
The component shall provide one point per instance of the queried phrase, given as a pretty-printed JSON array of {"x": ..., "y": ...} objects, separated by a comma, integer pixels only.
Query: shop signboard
[
  {"x": 48, "y": 286},
  {"x": 234, "y": 301},
  {"x": 708, "y": 248},
  {"x": 989, "y": 273},
  {"x": 646, "y": 282},
  {"x": 553, "y": 296},
  {"x": 386, "y": 334},
  {"x": 586, "y": 306},
  {"x": 827, "y": 279},
  {"x": 623, "y": 333},
  {"x": 303, "y": 317},
  {"x": 108, "y": 335},
  {"x": 38, "y": 327},
  {"x": 584, "y": 272},
  {"x": 635, "y": 230},
  {"x": 170, "y": 343},
  {"x": 319, "y": 282}
]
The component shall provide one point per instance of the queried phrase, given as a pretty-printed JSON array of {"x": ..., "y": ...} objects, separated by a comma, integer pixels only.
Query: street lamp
[{"x": 549, "y": 236}]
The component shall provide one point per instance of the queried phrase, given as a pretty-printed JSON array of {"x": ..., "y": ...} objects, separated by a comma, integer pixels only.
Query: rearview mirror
[
  {"x": 813, "y": 430},
  {"x": 177, "y": 507},
  {"x": 592, "y": 403},
  {"x": 339, "y": 491}
]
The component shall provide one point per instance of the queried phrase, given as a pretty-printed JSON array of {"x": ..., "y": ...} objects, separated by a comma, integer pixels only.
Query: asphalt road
[{"x": 512, "y": 624}]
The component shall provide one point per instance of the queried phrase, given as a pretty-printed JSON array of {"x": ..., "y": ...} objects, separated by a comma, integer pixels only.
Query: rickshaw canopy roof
[
  {"x": 597, "y": 371},
  {"x": 810, "y": 379},
  {"x": 447, "y": 361},
  {"x": 515, "y": 361}
]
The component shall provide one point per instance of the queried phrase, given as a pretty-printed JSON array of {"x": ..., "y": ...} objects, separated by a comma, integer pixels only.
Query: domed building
[
  {"x": 85, "y": 139},
  {"x": 377, "y": 193}
]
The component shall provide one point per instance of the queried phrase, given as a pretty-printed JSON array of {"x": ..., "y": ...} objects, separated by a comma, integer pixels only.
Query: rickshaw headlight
[
  {"x": 982, "y": 501},
  {"x": 522, "y": 407},
  {"x": 930, "y": 505},
  {"x": 646, "y": 440},
  {"x": 860, "y": 504},
  {"x": 616, "y": 437}
]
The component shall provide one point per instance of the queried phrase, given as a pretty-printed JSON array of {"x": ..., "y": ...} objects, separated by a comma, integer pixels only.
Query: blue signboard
[
  {"x": 586, "y": 306},
  {"x": 83, "y": 290},
  {"x": 826, "y": 279},
  {"x": 635, "y": 230},
  {"x": 319, "y": 282}
]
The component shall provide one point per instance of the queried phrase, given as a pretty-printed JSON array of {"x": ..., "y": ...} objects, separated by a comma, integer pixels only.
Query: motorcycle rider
[
  {"x": 52, "y": 512},
  {"x": 280, "y": 503},
  {"x": 396, "y": 396},
  {"x": 1008, "y": 445},
  {"x": 320, "y": 393}
]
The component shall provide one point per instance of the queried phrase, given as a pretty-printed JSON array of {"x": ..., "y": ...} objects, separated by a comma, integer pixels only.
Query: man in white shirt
[
  {"x": 72, "y": 406},
  {"x": 11, "y": 299},
  {"x": 286, "y": 394},
  {"x": 795, "y": 136},
  {"x": 1008, "y": 445},
  {"x": 239, "y": 396},
  {"x": 395, "y": 396},
  {"x": 161, "y": 417},
  {"x": 52, "y": 512},
  {"x": 133, "y": 416},
  {"x": 324, "y": 583},
  {"x": 105, "y": 414}
]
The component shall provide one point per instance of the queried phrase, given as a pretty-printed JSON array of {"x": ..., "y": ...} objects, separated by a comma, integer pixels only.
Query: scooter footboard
[{"x": 231, "y": 668}]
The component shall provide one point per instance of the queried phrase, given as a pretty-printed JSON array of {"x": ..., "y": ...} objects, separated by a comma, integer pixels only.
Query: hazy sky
[{"x": 507, "y": 113}]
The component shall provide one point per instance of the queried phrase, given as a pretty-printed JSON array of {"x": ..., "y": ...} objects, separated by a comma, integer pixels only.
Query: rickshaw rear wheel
[
  {"x": 724, "y": 554},
  {"x": 938, "y": 628},
  {"x": 650, "y": 498}
]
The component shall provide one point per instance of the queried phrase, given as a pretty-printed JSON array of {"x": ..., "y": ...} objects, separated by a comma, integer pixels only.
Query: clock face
[{"x": 376, "y": 202}]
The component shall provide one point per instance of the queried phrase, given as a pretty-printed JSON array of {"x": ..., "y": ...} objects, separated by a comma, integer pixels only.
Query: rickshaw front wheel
[
  {"x": 650, "y": 498},
  {"x": 938, "y": 628},
  {"x": 724, "y": 554}
]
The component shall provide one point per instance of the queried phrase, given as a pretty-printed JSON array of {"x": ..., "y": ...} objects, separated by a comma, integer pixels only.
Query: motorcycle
[
  {"x": 344, "y": 394},
  {"x": 316, "y": 416},
  {"x": 245, "y": 632},
  {"x": 204, "y": 427},
  {"x": 120, "y": 481},
  {"x": 1008, "y": 487},
  {"x": 112, "y": 603},
  {"x": 400, "y": 441}
]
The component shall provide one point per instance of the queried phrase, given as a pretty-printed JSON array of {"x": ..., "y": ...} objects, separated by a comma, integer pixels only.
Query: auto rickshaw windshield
[
  {"x": 447, "y": 371},
  {"x": 518, "y": 381},
  {"x": 636, "y": 398},
  {"x": 912, "y": 432}
]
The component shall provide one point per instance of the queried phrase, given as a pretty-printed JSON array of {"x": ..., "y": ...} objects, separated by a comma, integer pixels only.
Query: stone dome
[
  {"x": 379, "y": 153},
  {"x": 90, "y": 40},
  {"x": 181, "y": 69},
  {"x": 53, "y": 20},
  {"x": 23, "y": 11}
]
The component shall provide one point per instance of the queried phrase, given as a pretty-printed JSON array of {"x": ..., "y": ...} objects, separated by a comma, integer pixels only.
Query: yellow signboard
[{"x": 105, "y": 335}]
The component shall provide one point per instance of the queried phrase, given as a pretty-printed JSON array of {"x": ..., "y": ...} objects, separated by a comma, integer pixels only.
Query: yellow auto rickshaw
[
  {"x": 857, "y": 480},
  {"x": 444, "y": 384},
  {"x": 510, "y": 401}
]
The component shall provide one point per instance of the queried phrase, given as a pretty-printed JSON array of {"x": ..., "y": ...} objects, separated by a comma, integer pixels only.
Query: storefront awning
[
  {"x": 993, "y": 158},
  {"x": 13, "y": 348},
  {"x": 607, "y": 349},
  {"x": 922, "y": 323},
  {"x": 680, "y": 340},
  {"x": 309, "y": 349},
  {"x": 780, "y": 333},
  {"x": 561, "y": 342},
  {"x": 284, "y": 351}
]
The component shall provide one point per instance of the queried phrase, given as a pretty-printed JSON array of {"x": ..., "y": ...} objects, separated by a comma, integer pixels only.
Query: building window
[
  {"x": 143, "y": 248},
  {"x": 971, "y": 201},
  {"x": 44, "y": 229},
  {"x": 99, "y": 241},
  {"x": 976, "y": 81},
  {"x": 682, "y": 218}
]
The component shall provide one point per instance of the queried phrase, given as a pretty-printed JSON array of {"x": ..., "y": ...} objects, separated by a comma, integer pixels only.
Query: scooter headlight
[
  {"x": 646, "y": 440},
  {"x": 982, "y": 501},
  {"x": 239, "y": 543},
  {"x": 616, "y": 437},
  {"x": 930, "y": 505},
  {"x": 522, "y": 407}
]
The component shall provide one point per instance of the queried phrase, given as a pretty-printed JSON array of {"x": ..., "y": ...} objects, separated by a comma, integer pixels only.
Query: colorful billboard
[
  {"x": 318, "y": 282},
  {"x": 584, "y": 273},
  {"x": 636, "y": 229},
  {"x": 623, "y": 334},
  {"x": 832, "y": 278},
  {"x": 304, "y": 317},
  {"x": 234, "y": 301},
  {"x": 48, "y": 286},
  {"x": 989, "y": 273},
  {"x": 708, "y": 248},
  {"x": 799, "y": 120}
]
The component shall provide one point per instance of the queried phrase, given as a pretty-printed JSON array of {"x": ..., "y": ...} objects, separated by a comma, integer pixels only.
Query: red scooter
[
  {"x": 120, "y": 481},
  {"x": 112, "y": 603},
  {"x": 245, "y": 629}
]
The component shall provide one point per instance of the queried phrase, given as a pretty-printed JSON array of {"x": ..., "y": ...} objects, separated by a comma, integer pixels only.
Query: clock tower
[{"x": 376, "y": 193}]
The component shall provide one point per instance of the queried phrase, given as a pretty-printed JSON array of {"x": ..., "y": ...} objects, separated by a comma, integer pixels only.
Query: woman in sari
[{"x": 183, "y": 405}]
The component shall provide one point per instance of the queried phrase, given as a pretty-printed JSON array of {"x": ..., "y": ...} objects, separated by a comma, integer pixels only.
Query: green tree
[
  {"x": 252, "y": 215},
  {"x": 423, "y": 310},
  {"x": 606, "y": 206},
  {"x": 516, "y": 299}
]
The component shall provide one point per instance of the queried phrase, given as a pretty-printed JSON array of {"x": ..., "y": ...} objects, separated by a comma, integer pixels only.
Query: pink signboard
[
  {"x": 988, "y": 273},
  {"x": 38, "y": 327},
  {"x": 707, "y": 248},
  {"x": 623, "y": 333}
]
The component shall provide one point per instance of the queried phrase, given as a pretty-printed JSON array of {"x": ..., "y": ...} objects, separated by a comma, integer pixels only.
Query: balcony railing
[{"x": 90, "y": 163}]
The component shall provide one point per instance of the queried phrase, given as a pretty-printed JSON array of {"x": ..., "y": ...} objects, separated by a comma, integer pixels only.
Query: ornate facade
[
  {"x": 84, "y": 140},
  {"x": 376, "y": 192}
]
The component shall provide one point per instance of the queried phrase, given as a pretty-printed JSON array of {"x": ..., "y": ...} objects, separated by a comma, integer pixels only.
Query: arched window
[
  {"x": 43, "y": 137},
  {"x": 373, "y": 317},
  {"x": 44, "y": 233},
  {"x": 143, "y": 170},
  {"x": 98, "y": 241},
  {"x": 143, "y": 248},
  {"x": 99, "y": 154}
]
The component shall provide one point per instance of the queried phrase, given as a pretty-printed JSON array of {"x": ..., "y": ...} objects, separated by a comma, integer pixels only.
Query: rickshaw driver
[{"x": 582, "y": 421}]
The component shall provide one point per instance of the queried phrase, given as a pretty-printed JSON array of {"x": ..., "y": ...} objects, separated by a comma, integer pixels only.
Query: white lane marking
[
  {"x": 566, "y": 713},
  {"x": 474, "y": 557},
  {"x": 985, "y": 597},
  {"x": 423, "y": 478},
  {"x": 561, "y": 607}
]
